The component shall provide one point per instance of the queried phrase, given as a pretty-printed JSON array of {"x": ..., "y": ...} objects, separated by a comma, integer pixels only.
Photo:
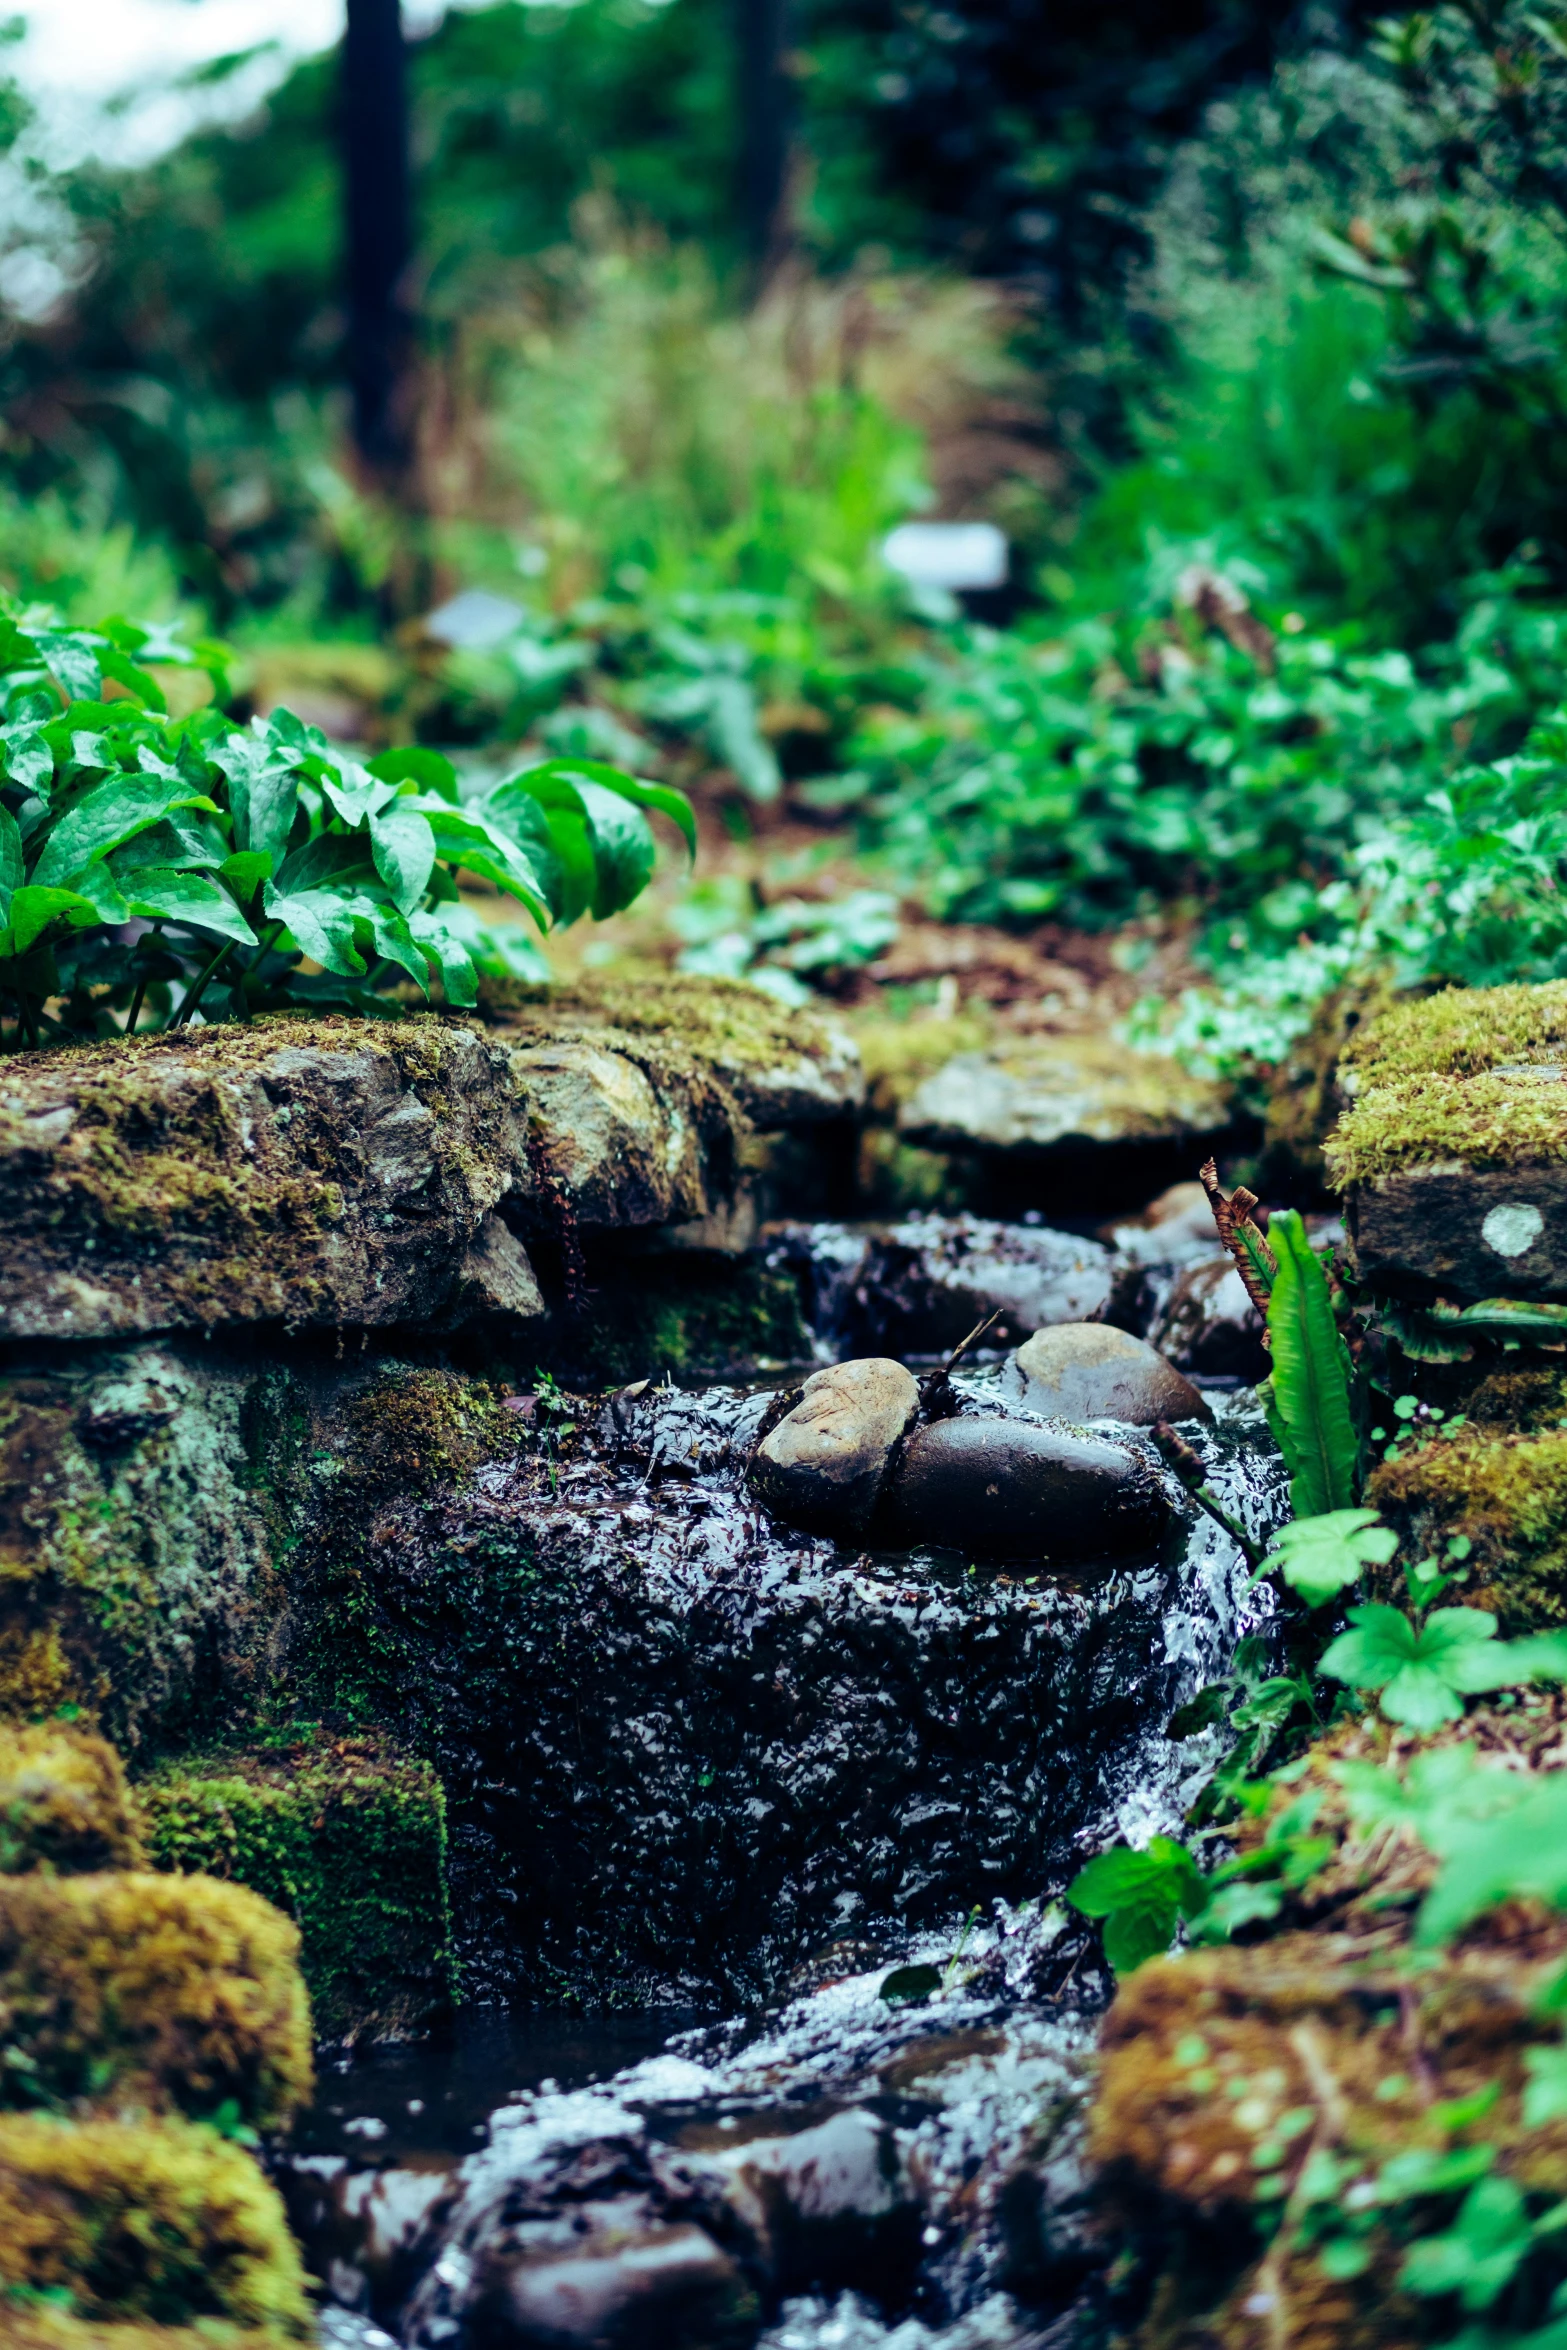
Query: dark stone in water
[
  {"x": 919, "y": 2160},
  {"x": 1088, "y": 1371},
  {"x": 1009, "y": 1489},
  {"x": 919, "y": 1286}
]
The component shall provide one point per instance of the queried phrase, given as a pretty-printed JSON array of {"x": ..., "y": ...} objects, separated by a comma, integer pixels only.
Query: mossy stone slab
[
  {"x": 351, "y": 1843},
  {"x": 1452, "y": 1153},
  {"x": 317, "y": 1174},
  {"x": 1464, "y": 1232}
]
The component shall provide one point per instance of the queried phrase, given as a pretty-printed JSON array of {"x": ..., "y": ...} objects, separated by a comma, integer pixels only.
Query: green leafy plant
[
  {"x": 176, "y": 865},
  {"x": 1141, "y": 1896},
  {"x": 1309, "y": 1398},
  {"x": 1423, "y": 1671},
  {"x": 1321, "y": 1557}
]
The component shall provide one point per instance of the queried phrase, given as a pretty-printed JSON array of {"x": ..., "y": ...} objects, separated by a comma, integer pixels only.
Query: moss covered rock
[
  {"x": 1505, "y": 1491},
  {"x": 64, "y": 1804},
  {"x": 158, "y": 2223},
  {"x": 308, "y": 1172},
  {"x": 1453, "y": 1152},
  {"x": 177, "y": 1991},
  {"x": 1226, "y": 2071},
  {"x": 350, "y": 1843}
]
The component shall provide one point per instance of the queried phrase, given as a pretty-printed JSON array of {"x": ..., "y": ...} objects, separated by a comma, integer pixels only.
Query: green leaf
[
  {"x": 263, "y": 778},
  {"x": 73, "y": 658},
  {"x": 662, "y": 798},
  {"x": 411, "y": 763},
  {"x": 245, "y": 872},
  {"x": 1480, "y": 2254},
  {"x": 1522, "y": 1852},
  {"x": 1545, "y": 2095},
  {"x": 194, "y": 898},
  {"x": 1320, "y": 1557},
  {"x": 1422, "y": 1675},
  {"x": 449, "y": 953},
  {"x": 112, "y": 812},
  {"x": 28, "y": 760},
  {"x": 542, "y": 811},
  {"x": 464, "y": 838},
  {"x": 1139, "y": 1895},
  {"x": 321, "y": 924},
  {"x": 910, "y": 1986},
  {"x": 355, "y": 793},
  {"x": 624, "y": 850},
  {"x": 12, "y": 868},
  {"x": 34, "y": 909},
  {"x": 1310, "y": 1378},
  {"x": 404, "y": 849}
]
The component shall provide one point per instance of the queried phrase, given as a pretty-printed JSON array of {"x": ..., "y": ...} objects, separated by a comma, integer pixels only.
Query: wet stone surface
[
  {"x": 920, "y": 1285},
  {"x": 717, "y": 1742},
  {"x": 842, "y": 2162}
]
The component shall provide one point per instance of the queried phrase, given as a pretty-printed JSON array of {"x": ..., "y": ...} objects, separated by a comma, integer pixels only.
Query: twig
[{"x": 1186, "y": 1462}]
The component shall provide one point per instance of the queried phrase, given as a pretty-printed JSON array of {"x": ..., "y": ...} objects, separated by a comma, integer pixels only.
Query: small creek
[{"x": 822, "y": 1767}]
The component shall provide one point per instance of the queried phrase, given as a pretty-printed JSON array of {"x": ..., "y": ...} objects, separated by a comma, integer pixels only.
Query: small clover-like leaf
[{"x": 1320, "y": 1557}]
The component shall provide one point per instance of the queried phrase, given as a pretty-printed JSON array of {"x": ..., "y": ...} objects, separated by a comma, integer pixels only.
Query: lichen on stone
[
  {"x": 177, "y": 1991},
  {"x": 155, "y": 2222},
  {"x": 64, "y": 1804},
  {"x": 350, "y": 1842}
]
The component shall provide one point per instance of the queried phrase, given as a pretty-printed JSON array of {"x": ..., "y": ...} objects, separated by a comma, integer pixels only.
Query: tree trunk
[
  {"x": 766, "y": 111},
  {"x": 380, "y": 237}
]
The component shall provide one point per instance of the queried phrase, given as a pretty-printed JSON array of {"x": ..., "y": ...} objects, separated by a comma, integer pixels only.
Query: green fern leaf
[{"x": 1311, "y": 1402}]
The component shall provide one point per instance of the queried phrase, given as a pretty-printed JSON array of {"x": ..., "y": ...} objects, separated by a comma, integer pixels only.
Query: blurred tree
[
  {"x": 765, "y": 114},
  {"x": 374, "y": 104}
]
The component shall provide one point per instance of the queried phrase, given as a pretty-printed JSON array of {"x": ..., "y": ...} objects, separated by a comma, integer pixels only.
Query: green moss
[
  {"x": 135, "y": 1573},
  {"x": 721, "y": 1020},
  {"x": 690, "y": 1314},
  {"x": 1472, "y": 1076},
  {"x": 1508, "y": 1494},
  {"x": 160, "y": 2222},
  {"x": 1223, "y": 2069},
  {"x": 351, "y": 1844},
  {"x": 175, "y": 1990},
  {"x": 64, "y": 1804},
  {"x": 1459, "y": 1033}
]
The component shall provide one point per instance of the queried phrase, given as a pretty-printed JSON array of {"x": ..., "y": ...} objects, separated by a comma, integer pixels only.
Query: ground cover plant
[
  {"x": 153, "y": 867},
  {"x": 1446, "y": 2204}
]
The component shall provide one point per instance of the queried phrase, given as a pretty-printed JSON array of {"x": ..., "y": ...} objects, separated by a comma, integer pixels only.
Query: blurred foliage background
[{"x": 1245, "y": 321}]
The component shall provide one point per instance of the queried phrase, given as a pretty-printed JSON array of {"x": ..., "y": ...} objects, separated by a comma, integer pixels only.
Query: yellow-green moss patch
[
  {"x": 1473, "y": 1076},
  {"x": 64, "y": 1804},
  {"x": 350, "y": 1843},
  {"x": 155, "y": 2221},
  {"x": 722, "y": 1020},
  {"x": 1508, "y": 1494},
  {"x": 1460, "y": 1033},
  {"x": 176, "y": 1990}
]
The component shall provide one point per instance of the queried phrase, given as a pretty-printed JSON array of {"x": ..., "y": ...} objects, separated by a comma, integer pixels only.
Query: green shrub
[{"x": 231, "y": 855}]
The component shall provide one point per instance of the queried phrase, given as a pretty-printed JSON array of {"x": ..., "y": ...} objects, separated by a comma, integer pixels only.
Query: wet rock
[
  {"x": 826, "y": 2206},
  {"x": 995, "y": 1488},
  {"x": 823, "y": 1466},
  {"x": 839, "y": 2145},
  {"x": 1087, "y": 1371},
  {"x": 1177, "y": 1228},
  {"x": 920, "y": 1285},
  {"x": 1115, "y": 1115},
  {"x": 681, "y": 1744},
  {"x": 611, "y": 2277},
  {"x": 1208, "y": 1325}
]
